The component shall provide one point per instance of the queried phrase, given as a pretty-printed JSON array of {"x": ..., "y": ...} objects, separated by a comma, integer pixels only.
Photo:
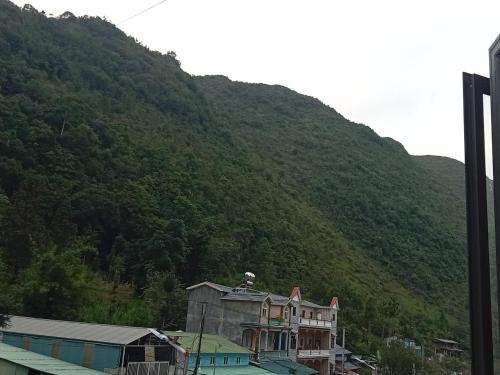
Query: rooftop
[
  {"x": 245, "y": 297},
  {"x": 242, "y": 294},
  {"x": 104, "y": 333},
  {"x": 42, "y": 363},
  {"x": 445, "y": 341},
  {"x": 209, "y": 343},
  {"x": 286, "y": 366},
  {"x": 234, "y": 370},
  {"x": 339, "y": 350}
]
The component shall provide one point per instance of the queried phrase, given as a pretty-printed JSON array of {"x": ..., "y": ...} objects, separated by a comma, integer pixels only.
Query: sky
[{"x": 395, "y": 66}]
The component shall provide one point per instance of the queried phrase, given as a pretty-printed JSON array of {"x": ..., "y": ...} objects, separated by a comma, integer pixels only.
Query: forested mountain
[{"x": 124, "y": 179}]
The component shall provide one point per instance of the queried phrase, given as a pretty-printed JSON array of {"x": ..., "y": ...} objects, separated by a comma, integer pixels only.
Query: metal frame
[
  {"x": 474, "y": 87},
  {"x": 495, "y": 138}
]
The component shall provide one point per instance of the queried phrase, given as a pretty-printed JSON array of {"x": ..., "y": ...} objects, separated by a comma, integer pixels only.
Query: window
[
  {"x": 303, "y": 313},
  {"x": 294, "y": 311},
  {"x": 212, "y": 360},
  {"x": 264, "y": 311},
  {"x": 286, "y": 313},
  {"x": 226, "y": 360},
  {"x": 310, "y": 314},
  {"x": 238, "y": 360},
  {"x": 333, "y": 317},
  {"x": 293, "y": 342},
  {"x": 301, "y": 343}
]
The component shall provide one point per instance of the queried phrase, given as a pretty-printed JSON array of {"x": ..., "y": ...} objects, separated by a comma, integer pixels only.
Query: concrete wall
[
  {"x": 213, "y": 317},
  {"x": 235, "y": 313},
  {"x": 92, "y": 355},
  {"x": 223, "y": 317}
]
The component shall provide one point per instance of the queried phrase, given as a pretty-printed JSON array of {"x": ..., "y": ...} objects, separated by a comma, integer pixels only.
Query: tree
[
  {"x": 54, "y": 285},
  {"x": 167, "y": 300},
  {"x": 397, "y": 360}
]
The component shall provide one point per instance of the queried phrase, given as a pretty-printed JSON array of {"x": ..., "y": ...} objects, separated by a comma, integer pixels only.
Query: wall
[
  {"x": 92, "y": 355},
  {"x": 324, "y": 313},
  {"x": 234, "y": 313},
  {"x": 219, "y": 359},
  {"x": 211, "y": 297},
  {"x": 9, "y": 368}
]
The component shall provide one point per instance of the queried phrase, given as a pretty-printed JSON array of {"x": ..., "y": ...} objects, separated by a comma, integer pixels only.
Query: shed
[
  {"x": 17, "y": 361},
  {"x": 96, "y": 346}
]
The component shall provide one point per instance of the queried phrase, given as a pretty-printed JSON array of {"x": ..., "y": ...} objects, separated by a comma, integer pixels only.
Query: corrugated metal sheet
[
  {"x": 286, "y": 366},
  {"x": 209, "y": 344},
  {"x": 104, "y": 333},
  {"x": 234, "y": 370},
  {"x": 42, "y": 363}
]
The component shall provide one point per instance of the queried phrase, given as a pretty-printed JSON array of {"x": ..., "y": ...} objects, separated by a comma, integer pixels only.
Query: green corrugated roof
[
  {"x": 209, "y": 343},
  {"x": 286, "y": 366},
  {"x": 42, "y": 363},
  {"x": 234, "y": 370}
]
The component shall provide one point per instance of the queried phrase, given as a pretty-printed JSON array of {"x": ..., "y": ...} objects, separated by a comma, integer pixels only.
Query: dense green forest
[{"x": 124, "y": 179}]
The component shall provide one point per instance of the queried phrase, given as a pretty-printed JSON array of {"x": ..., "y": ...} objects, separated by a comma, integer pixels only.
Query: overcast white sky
[{"x": 393, "y": 65}]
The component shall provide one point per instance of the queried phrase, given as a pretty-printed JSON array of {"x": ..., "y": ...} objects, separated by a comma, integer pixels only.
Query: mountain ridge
[{"x": 143, "y": 179}]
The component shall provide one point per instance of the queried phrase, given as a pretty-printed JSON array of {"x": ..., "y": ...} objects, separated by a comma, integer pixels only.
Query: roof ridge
[{"x": 74, "y": 322}]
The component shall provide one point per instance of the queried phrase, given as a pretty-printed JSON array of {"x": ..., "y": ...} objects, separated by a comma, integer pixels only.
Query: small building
[
  {"x": 217, "y": 354},
  {"x": 97, "y": 346},
  {"x": 17, "y": 361},
  {"x": 446, "y": 348}
]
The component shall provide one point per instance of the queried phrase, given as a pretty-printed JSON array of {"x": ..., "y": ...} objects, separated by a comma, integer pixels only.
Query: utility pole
[
  {"x": 198, "y": 352},
  {"x": 343, "y": 349}
]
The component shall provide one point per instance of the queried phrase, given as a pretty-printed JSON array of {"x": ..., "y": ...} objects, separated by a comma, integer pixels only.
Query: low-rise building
[
  {"x": 447, "y": 348},
  {"x": 218, "y": 355},
  {"x": 100, "y": 347},
  {"x": 17, "y": 361}
]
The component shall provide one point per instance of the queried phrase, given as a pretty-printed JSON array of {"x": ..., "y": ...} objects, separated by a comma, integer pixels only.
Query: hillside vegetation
[{"x": 124, "y": 179}]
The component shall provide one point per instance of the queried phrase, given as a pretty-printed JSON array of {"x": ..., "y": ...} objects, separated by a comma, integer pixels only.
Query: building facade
[{"x": 271, "y": 326}]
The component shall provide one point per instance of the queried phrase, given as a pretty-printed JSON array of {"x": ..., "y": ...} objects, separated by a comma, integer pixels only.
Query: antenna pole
[{"x": 203, "y": 313}]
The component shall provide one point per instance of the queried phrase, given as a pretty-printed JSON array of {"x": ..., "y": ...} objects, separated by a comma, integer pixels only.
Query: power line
[{"x": 141, "y": 12}]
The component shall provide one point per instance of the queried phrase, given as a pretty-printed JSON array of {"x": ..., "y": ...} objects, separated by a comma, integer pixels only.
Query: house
[
  {"x": 217, "y": 355},
  {"x": 96, "y": 346},
  {"x": 341, "y": 357},
  {"x": 17, "y": 361},
  {"x": 446, "y": 348},
  {"x": 273, "y": 327}
]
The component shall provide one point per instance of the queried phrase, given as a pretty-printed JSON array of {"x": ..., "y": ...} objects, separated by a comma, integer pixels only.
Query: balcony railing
[
  {"x": 277, "y": 322},
  {"x": 271, "y": 355},
  {"x": 309, "y": 353},
  {"x": 315, "y": 323}
]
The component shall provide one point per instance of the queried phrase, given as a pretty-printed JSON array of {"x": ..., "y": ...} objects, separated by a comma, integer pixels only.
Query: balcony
[
  {"x": 278, "y": 322},
  {"x": 315, "y": 323},
  {"x": 313, "y": 353}
]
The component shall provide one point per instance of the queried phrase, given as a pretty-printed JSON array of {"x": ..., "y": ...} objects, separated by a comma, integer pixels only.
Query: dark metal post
[
  {"x": 474, "y": 87},
  {"x": 495, "y": 139},
  {"x": 198, "y": 352}
]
